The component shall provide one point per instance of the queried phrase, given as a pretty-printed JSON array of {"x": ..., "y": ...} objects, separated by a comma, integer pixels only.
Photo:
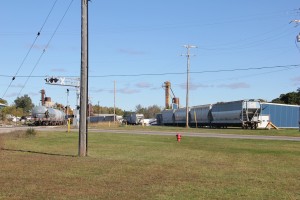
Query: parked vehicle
[{"x": 134, "y": 119}]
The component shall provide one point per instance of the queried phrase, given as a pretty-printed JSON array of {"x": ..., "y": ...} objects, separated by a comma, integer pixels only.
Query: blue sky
[{"x": 130, "y": 38}]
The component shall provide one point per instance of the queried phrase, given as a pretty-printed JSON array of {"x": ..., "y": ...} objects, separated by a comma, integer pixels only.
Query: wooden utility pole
[
  {"x": 188, "y": 55},
  {"x": 82, "y": 147},
  {"x": 114, "y": 102}
]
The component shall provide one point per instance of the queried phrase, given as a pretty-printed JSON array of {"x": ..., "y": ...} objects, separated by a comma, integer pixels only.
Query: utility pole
[
  {"x": 188, "y": 47},
  {"x": 82, "y": 146},
  {"x": 296, "y": 21},
  {"x": 98, "y": 112},
  {"x": 114, "y": 102}
]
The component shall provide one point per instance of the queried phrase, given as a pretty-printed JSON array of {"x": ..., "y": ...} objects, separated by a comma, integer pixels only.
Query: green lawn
[
  {"x": 238, "y": 131},
  {"x": 124, "y": 166}
]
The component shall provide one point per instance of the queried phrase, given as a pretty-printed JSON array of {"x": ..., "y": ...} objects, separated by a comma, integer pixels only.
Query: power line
[
  {"x": 172, "y": 73},
  {"x": 246, "y": 43},
  {"x": 195, "y": 72},
  {"x": 29, "y": 50},
  {"x": 44, "y": 50}
]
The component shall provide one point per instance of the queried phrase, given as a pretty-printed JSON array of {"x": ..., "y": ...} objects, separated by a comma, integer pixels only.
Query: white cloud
[
  {"x": 131, "y": 52},
  {"x": 58, "y": 70},
  {"x": 194, "y": 86},
  {"x": 128, "y": 91},
  {"x": 235, "y": 85},
  {"x": 143, "y": 85},
  {"x": 296, "y": 80}
]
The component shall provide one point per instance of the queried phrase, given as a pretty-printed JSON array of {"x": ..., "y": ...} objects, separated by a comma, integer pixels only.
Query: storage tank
[
  {"x": 47, "y": 99},
  {"x": 38, "y": 112},
  {"x": 56, "y": 114},
  {"x": 200, "y": 115},
  {"x": 42, "y": 115}
]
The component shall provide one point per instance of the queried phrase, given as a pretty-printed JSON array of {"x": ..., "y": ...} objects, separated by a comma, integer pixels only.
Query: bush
[{"x": 30, "y": 132}]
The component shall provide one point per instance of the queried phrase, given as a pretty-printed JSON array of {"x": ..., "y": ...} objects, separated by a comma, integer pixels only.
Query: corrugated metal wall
[{"x": 281, "y": 115}]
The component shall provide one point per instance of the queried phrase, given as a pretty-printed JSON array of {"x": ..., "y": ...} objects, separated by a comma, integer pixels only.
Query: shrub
[{"x": 30, "y": 132}]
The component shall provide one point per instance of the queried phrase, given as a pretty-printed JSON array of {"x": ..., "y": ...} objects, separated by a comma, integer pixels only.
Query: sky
[{"x": 245, "y": 50}]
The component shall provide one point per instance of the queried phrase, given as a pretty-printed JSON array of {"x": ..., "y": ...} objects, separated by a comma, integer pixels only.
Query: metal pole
[
  {"x": 67, "y": 103},
  {"x": 82, "y": 150}
]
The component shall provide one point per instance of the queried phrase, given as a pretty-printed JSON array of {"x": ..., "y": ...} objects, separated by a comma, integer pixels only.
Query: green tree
[
  {"x": 3, "y": 101},
  {"x": 106, "y": 110},
  {"x": 25, "y": 103},
  {"x": 153, "y": 110},
  {"x": 149, "y": 112},
  {"x": 11, "y": 110},
  {"x": 288, "y": 98}
]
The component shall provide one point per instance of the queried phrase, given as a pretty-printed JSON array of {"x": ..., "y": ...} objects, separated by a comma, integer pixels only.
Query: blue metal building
[{"x": 282, "y": 115}]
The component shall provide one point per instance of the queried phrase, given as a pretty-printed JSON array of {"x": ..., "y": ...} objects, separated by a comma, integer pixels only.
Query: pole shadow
[{"x": 37, "y": 152}]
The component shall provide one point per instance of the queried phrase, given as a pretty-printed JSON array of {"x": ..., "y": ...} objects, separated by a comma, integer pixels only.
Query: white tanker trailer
[{"x": 42, "y": 115}]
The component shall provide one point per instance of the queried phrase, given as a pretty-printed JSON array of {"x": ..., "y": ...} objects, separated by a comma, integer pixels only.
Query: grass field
[
  {"x": 125, "y": 166},
  {"x": 238, "y": 131}
]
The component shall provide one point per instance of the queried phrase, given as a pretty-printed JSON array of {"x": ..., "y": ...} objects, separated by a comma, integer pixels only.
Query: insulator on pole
[{"x": 298, "y": 37}]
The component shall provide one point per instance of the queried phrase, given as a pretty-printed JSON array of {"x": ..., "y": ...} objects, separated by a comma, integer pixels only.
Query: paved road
[{"x": 141, "y": 132}]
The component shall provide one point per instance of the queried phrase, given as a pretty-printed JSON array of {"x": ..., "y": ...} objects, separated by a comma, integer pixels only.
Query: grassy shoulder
[
  {"x": 124, "y": 166},
  {"x": 238, "y": 131}
]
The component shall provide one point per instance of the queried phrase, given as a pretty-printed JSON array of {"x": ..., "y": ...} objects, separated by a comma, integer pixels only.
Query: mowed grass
[
  {"x": 229, "y": 130},
  {"x": 125, "y": 166}
]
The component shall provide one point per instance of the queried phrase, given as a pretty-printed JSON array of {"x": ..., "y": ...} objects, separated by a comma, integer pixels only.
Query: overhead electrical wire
[
  {"x": 240, "y": 19},
  {"x": 247, "y": 75},
  {"x": 200, "y": 72},
  {"x": 29, "y": 50},
  {"x": 44, "y": 50},
  {"x": 249, "y": 44}
]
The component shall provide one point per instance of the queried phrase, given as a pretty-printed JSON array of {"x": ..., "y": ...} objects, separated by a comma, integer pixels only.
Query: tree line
[
  {"x": 148, "y": 112},
  {"x": 292, "y": 98},
  {"x": 22, "y": 106}
]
